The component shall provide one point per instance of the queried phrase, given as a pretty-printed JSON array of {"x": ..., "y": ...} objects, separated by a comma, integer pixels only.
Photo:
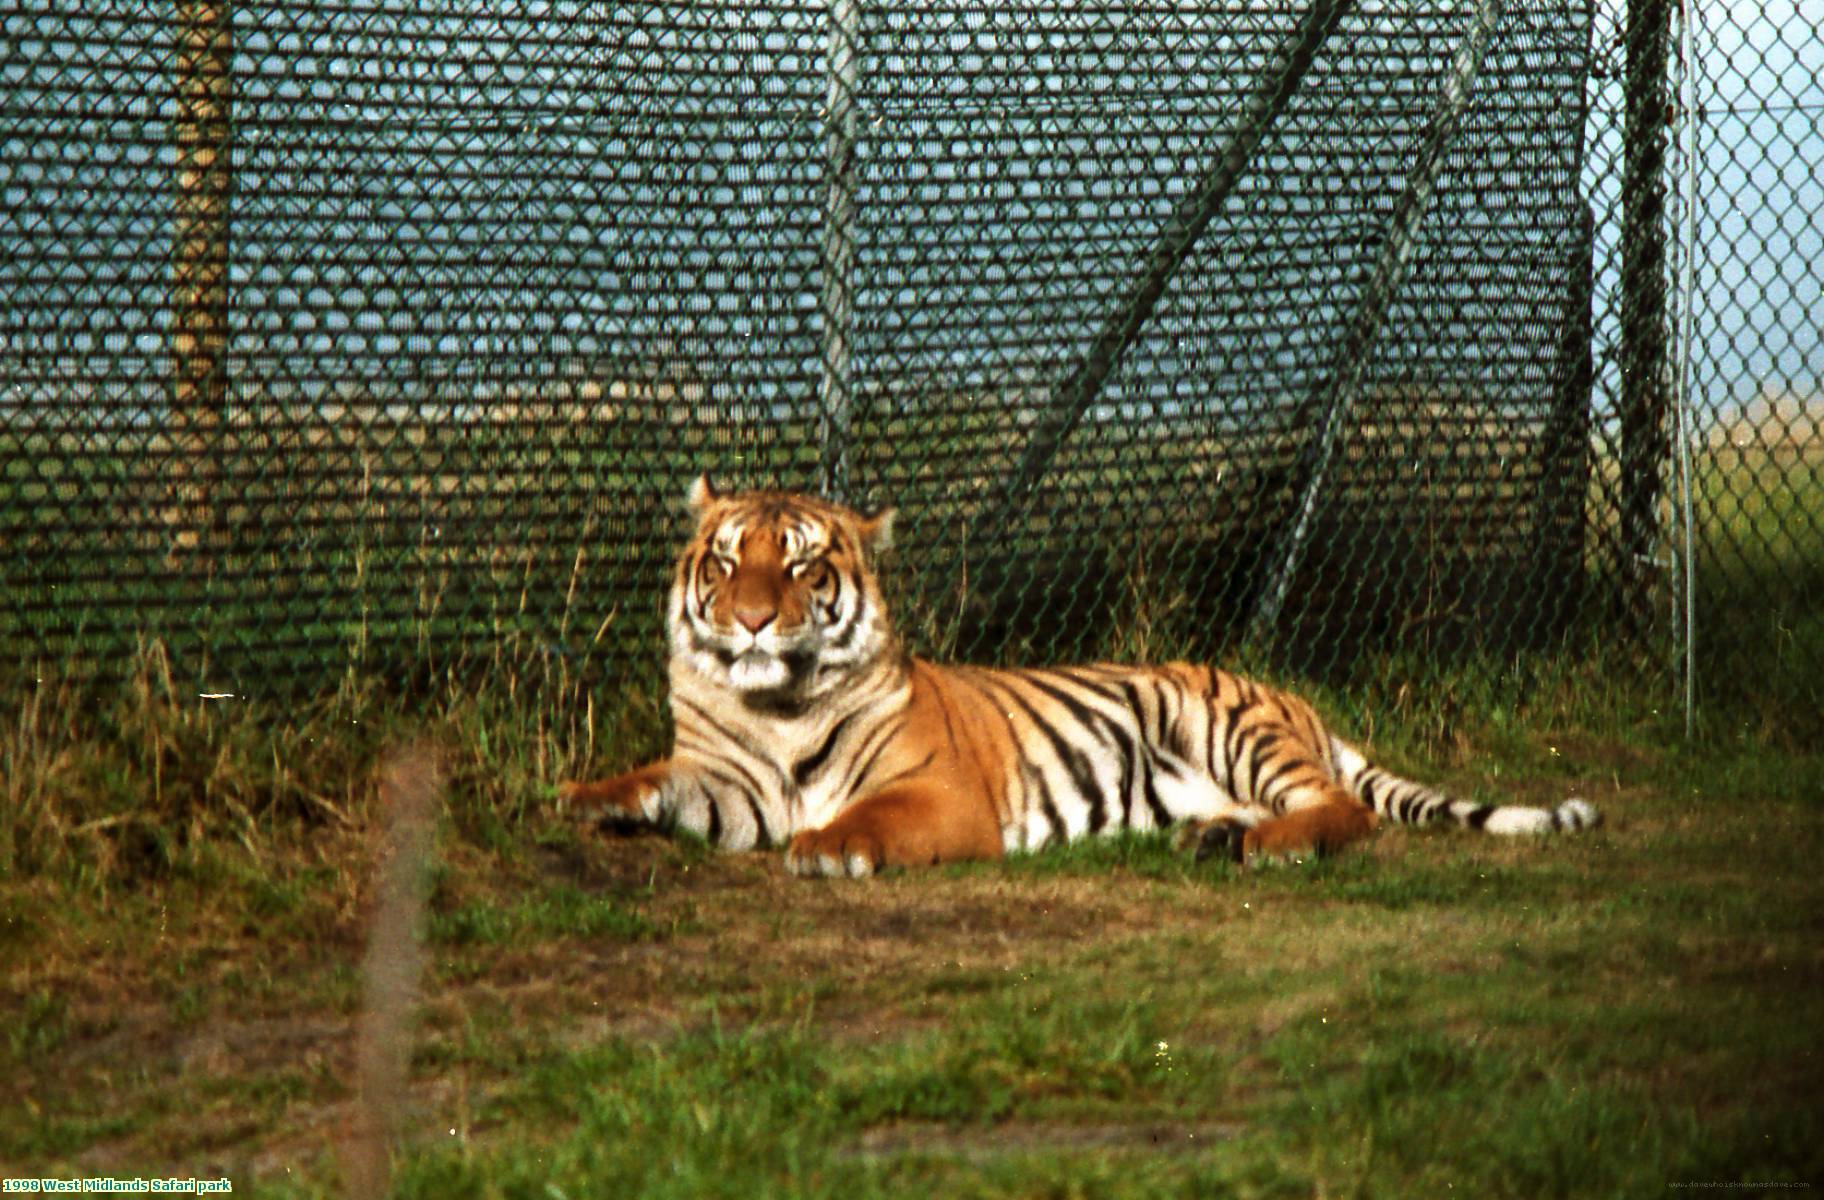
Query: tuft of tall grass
[{"x": 104, "y": 783}]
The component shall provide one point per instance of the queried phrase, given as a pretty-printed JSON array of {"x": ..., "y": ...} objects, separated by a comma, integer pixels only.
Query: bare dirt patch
[{"x": 745, "y": 928}]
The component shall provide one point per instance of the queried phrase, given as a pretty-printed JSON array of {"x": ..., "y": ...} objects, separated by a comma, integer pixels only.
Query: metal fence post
[
  {"x": 203, "y": 134},
  {"x": 1384, "y": 280},
  {"x": 1278, "y": 82},
  {"x": 1687, "y": 288},
  {"x": 837, "y": 303},
  {"x": 1644, "y": 330}
]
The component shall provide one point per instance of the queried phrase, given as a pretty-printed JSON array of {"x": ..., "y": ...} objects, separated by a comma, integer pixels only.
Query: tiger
[{"x": 799, "y": 719}]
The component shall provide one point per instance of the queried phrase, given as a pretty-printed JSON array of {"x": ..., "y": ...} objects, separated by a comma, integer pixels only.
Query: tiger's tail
[{"x": 1408, "y": 803}]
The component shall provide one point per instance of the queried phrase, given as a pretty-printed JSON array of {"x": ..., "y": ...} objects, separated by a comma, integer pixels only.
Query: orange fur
[
  {"x": 1322, "y": 829},
  {"x": 909, "y": 825}
]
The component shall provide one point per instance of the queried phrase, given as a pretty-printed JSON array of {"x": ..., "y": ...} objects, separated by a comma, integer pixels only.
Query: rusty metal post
[
  {"x": 202, "y": 132},
  {"x": 837, "y": 302}
]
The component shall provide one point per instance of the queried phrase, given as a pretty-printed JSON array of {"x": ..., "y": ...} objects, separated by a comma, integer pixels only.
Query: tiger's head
[{"x": 775, "y": 596}]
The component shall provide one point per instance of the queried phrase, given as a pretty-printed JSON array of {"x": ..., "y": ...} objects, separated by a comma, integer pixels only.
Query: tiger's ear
[
  {"x": 877, "y": 531},
  {"x": 703, "y": 493}
]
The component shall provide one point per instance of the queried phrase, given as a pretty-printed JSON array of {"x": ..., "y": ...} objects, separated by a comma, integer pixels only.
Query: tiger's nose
[{"x": 755, "y": 617}]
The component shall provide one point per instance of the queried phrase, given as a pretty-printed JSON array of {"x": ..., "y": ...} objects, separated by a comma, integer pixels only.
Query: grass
[{"x": 188, "y": 886}]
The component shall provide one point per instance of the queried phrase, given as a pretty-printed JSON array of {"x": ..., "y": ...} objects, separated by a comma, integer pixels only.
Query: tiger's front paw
[
  {"x": 834, "y": 853},
  {"x": 621, "y": 804}
]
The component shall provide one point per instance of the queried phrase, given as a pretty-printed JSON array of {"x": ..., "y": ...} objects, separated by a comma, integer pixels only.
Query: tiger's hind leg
[
  {"x": 904, "y": 826},
  {"x": 1317, "y": 823},
  {"x": 1320, "y": 827},
  {"x": 1222, "y": 836}
]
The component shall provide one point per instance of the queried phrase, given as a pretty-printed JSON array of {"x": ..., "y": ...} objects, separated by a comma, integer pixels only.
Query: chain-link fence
[
  {"x": 1748, "y": 166},
  {"x": 392, "y": 332}
]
